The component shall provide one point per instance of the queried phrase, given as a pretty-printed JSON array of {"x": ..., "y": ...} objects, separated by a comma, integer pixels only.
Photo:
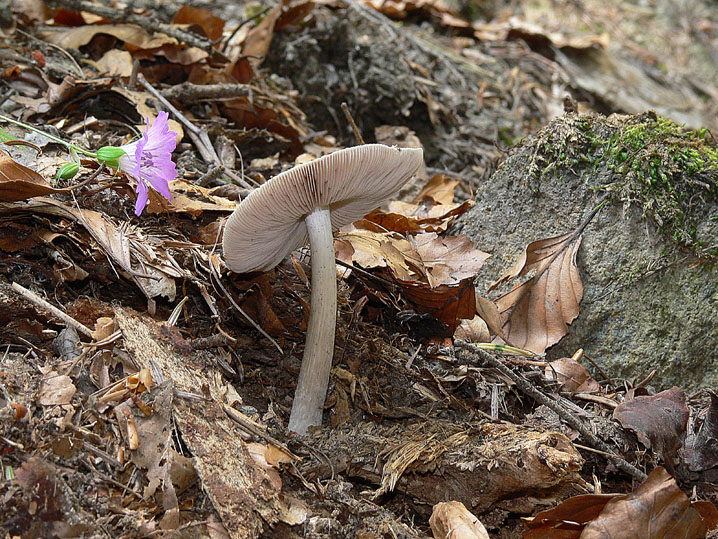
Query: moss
[{"x": 645, "y": 161}]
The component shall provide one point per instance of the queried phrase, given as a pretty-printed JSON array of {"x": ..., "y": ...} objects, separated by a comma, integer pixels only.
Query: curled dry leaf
[
  {"x": 18, "y": 182},
  {"x": 659, "y": 421},
  {"x": 535, "y": 314},
  {"x": 657, "y": 509},
  {"x": 573, "y": 377},
  {"x": 452, "y": 520}
]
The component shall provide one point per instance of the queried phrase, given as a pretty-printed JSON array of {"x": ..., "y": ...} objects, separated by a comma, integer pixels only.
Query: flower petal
[{"x": 142, "y": 196}]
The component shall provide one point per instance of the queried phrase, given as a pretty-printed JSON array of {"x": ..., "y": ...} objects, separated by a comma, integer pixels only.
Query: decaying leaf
[
  {"x": 447, "y": 260},
  {"x": 18, "y": 182},
  {"x": 452, "y": 520},
  {"x": 56, "y": 389},
  {"x": 657, "y": 509},
  {"x": 448, "y": 303},
  {"x": 536, "y": 313},
  {"x": 439, "y": 189},
  {"x": 474, "y": 330},
  {"x": 659, "y": 421},
  {"x": 573, "y": 377},
  {"x": 210, "y": 24}
]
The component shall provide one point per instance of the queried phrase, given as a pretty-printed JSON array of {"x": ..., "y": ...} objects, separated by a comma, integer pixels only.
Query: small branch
[
  {"x": 218, "y": 280},
  {"x": 188, "y": 92},
  {"x": 527, "y": 388},
  {"x": 149, "y": 23},
  {"x": 37, "y": 300},
  {"x": 353, "y": 125}
]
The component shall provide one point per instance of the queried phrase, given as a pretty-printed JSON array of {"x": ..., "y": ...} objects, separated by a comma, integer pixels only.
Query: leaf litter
[{"x": 179, "y": 424}]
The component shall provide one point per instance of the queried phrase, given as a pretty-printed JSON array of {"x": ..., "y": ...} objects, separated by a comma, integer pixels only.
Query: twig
[
  {"x": 250, "y": 426},
  {"x": 188, "y": 92},
  {"x": 198, "y": 136},
  {"x": 37, "y": 300},
  {"x": 151, "y": 24},
  {"x": 353, "y": 125},
  {"x": 254, "y": 324},
  {"x": 527, "y": 388}
]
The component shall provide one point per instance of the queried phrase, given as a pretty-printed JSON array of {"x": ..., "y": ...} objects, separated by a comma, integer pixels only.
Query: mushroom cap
[{"x": 269, "y": 224}]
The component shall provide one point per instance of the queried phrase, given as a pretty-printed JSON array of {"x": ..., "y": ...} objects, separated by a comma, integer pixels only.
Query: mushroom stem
[{"x": 319, "y": 348}]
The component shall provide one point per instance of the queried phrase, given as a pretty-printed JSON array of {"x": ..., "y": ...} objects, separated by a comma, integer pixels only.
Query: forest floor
[{"x": 146, "y": 389}]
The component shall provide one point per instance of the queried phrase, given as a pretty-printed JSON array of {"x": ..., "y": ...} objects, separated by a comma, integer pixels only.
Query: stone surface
[{"x": 647, "y": 304}]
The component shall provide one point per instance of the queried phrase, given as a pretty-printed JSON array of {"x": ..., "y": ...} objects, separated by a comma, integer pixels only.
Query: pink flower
[{"x": 149, "y": 160}]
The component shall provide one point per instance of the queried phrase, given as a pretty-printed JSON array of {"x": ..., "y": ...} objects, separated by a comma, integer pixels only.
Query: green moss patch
[{"x": 645, "y": 161}]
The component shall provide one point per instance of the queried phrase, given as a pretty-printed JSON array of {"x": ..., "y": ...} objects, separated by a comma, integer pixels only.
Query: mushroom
[{"x": 310, "y": 201}]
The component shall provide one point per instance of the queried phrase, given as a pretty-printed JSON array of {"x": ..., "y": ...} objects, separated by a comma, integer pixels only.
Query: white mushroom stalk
[
  {"x": 309, "y": 202},
  {"x": 319, "y": 347}
]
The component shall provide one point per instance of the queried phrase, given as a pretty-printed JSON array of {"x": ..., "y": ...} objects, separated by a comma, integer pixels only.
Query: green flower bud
[
  {"x": 110, "y": 155},
  {"x": 67, "y": 171}
]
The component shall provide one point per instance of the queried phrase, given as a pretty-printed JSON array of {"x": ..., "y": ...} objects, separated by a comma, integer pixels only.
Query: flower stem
[
  {"x": 51, "y": 137},
  {"x": 319, "y": 349}
]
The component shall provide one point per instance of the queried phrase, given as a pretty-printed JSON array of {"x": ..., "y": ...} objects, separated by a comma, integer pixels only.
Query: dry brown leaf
[
  {"x": 659, "y": 421},
  {"x": 258, "y": 452},
  {"x": 573, "y": 377},
  {"x": 536, "y": 313},
  {"x": 74, "y": 38},
  {"x": 474, "y": 330},
  {"x": 448, "y": 303},
  {"x": 657, "y": 509},
  {"x": 191, "y": 199},
  {"x": 18, "y": 182},
  {"x": 259, "y": 38},
  {"x": 439, "y": 189},
  {"x": 447, "y": 259},
  {"x": 135, "y": 255},
  {"x": 452, "y": 520},
  {"x": 115, "y": 62},
  {"x": 210, "y": 24},
  {"x": 55, "y": 390},
  {"x": 381, "y": 250},
  {"x": 566, "y": 520}
]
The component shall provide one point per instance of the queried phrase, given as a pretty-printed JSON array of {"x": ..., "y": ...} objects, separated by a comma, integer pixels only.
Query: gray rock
[{"x": 648, "y": 302}]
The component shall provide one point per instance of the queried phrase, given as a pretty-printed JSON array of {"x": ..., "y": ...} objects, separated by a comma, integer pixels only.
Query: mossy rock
[{"x": 648, "y": 258}]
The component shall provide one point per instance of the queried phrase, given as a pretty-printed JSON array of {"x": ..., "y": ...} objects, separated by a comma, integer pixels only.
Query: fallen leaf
[
  {"x": 115, "y": 62},
  {"x": 210, "y": 24},
  {"x": 536, "y": 313},
  {"x": 380, "y": 250},
  {"x": 256, "y": 45},
  {"x": 75, "y": 38},
  {"x": 448, "y": 259},
  {"x": 566, "y": 520},
  {"x": 659, "y": 421},
  {"x": 439, "y": 189},
  {"x": 474, "y": 330},
  {"x": 657, "y": 509},
  {"x": 293, "y": 511},
  {"x": 18, "y": 182},
  {"x": 55, "y": 390},
  {"x": 573, "y": 377},
  {"x": 452, "y": 520},
  {"x": 448, "y": 303}
]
